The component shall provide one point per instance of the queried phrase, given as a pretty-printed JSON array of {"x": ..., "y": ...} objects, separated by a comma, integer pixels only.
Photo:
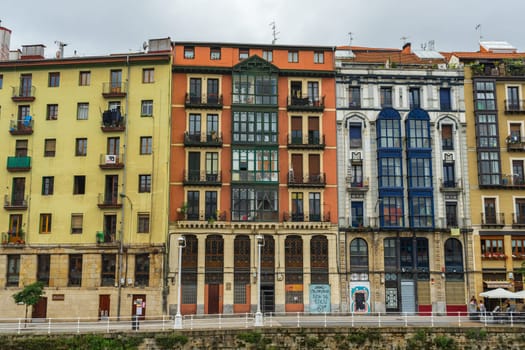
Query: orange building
[{"x": 253, "y": 150}]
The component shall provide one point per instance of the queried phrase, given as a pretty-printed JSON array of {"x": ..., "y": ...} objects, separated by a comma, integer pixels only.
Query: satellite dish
[{"x": 144, "y": 45}]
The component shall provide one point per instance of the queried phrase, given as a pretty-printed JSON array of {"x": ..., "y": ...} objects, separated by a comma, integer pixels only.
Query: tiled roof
[{"x": 382, "y": 55}]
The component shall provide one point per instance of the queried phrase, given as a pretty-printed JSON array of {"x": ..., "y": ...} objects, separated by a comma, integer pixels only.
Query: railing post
[
  {"x": 406, "y": 319},
  {"x": 271, "y": 319},
  {"x": 107, "y": 324},
  {"x": 19, "y": 325},
  {"x": 49, "y": 327},
  {"x": 191, "y": 321},
  {"x": 246, "y": 321},
  {"x": 459, "y": 318},
  {"x": 352, "y": 318},
  {"x": 220, "y": 322},
  {"x": 379, "y": 319},
  {"x": 325, "y": 320},
  {"x": 511, "y": 320},
  {"x": 432, "y": 318},
  {"x": 163, "y": 319},
  {"x": 298, "y": 321},
  {"x": 78, "y": 325}
]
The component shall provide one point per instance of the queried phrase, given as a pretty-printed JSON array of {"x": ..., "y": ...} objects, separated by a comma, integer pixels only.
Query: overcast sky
[{"x": 99, "y": 27}]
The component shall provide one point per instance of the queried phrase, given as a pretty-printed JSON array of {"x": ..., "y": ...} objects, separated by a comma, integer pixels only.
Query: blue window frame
[
  {"x": 391, "y": 211},
  {"x": 422, "y": 212},
  {"x": 420, "y": 173},
  {"x": 390, "y": 174},
  {"x": 357, "y": 214}
]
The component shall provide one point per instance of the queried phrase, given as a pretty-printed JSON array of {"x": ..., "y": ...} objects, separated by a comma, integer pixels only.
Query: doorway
[
  {"x": 138, "y": 307},
  {"x": 408, "y": 297},
  {"x": 103, "y": 306},
  {"x": 40, "y": 309},
  {"x": 267, "y": 299},
  {"x": 213, "y": 298}
]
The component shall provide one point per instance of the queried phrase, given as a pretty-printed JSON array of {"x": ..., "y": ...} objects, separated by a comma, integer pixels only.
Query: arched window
[
  {"x": 454, "y": 259},
  {"x": 359, "y": 256},
  {"x": 293, "y": 268},
  {"x": 189, "y": 270},
  {"x": 319, "y": 259}
]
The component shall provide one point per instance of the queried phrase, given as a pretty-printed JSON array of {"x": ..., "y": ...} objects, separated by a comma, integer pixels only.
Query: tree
[{"x": 30, "y": 295}]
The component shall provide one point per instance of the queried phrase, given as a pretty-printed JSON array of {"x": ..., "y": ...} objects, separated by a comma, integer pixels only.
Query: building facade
[
  {"x": 85, "y": 180},
  {"x": 494, "y": 83},
  {"x": 403, "y": 189},
  {"x": 253, "y": 149}
]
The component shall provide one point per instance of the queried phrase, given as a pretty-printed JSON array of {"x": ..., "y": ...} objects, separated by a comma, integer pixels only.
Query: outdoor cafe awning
[{"x": 497, "y": 284}]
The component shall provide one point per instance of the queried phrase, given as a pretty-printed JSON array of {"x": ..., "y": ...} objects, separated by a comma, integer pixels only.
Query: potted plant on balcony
[{"x": 182, "y": 211}]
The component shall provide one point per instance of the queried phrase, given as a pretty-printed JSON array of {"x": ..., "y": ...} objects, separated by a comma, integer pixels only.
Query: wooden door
[
  {"x": 40, "y": 309},
  {"x": 213, "y": 298},
  {"x": 138, "y": 306},
  {"x": 314, "y": 168},
  {"x": 103, "y": 306},
  {"x": 297, "y": 168}
]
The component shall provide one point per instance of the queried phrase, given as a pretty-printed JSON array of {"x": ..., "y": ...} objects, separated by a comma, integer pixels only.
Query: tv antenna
[
  {"x": 404, "y": 39},
  {"x": 274, "y": 32},
  {"x": 350, "y": 39},
  {"x": 478, "y": 27},
  {"x": 61, "y": 45}
]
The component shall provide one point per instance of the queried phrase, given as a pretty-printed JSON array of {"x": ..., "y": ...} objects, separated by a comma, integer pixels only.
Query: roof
[{"x": 398, "y": 56}]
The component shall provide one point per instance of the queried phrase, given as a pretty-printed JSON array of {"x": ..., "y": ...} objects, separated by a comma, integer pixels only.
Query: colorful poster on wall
[
  {"x": 319, "y": 298},
  {"x": 360, "y": 296}
]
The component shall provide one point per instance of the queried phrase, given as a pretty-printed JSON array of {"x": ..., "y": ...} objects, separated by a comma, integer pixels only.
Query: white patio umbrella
[
  {"x": 520, "y": 294},
  {"x": 499, "y": 293}
]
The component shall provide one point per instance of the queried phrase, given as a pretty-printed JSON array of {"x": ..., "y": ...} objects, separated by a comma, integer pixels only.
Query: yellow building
[
  {"x": 85, "y": 181},
  {"x": 494, "y": 84}
]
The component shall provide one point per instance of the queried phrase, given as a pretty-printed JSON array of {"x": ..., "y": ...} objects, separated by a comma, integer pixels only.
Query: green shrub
[
  {"x": 250, "y": 337},
  {"x": 444, "y": 342},
  {"x": 169, "y": 341}
]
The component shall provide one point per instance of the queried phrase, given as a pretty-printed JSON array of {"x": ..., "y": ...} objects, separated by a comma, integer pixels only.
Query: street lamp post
[
  {"x": 259, "y": 319},
  {"x": 178, "y": 316}
]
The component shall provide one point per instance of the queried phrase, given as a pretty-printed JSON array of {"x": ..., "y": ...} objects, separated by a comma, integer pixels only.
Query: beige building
[{"x": 85, "y": 183}]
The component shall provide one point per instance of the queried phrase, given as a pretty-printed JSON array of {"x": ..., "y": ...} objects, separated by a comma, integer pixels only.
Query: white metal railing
[{"x": 246, "y": 320}]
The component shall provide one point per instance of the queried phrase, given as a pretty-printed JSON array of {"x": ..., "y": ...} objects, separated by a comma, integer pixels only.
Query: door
[
  {"x": 40, "y": 309},
  {"x": 297, "y": 130},
  {"x": 451, "y": 213},
  {"x": 313, "y": 131},
  {"x": 444, "y": 99},
  {"x": 520, "y": 211},
  {"x": 490, "y": 210},
  {"x": 195, "y": 90},
  {"x": 111, "y": 192},
  {"x": 115, "y": 80},
  {"x": 138, "y": 307},
  {"x": 25, "y": 85},
  {"x": 267, "y": 299},
  {"x": 449, "y": 177},
  {"x": 314, "y": 168},
  {"x": 297, "y": 90},
  {"x": 194, "y": 129},
  {"x": 103, "y": 306},
  {"x": 297, "y": 168},
  {"x": 408, "y": 297},
  {"x": 113, "y": 145},
  {"x": 517, "y": 172},
  {"x": 513, "y": 103},
  {"x": 357, "y": 214},
  {"x": 213, "y": 91},
  {"x": 213, "y": 298},
  {"x": 194, "y": 166},
  {"x": 18, "y": 192}
]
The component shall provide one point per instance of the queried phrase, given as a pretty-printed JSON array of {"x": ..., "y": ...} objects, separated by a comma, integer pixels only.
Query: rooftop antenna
[
  {"x": 61, "y": 45},
  {"x": 478, "y": 27},
  {"x": 350, "y": 39},
  {"x": 431, "y": 45},
  {"x": 274, "y": 32},
  {"x": 404, "y": 39}
]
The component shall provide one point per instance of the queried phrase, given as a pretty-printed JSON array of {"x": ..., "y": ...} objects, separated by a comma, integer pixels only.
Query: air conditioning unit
[{"x": 111, "y": 159}]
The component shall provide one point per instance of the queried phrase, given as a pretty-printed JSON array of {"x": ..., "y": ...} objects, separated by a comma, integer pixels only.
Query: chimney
[
  {"x": 32, "y": 52},
  {"x": 158, "y": 45},
  {"x": 5, "y": 39},
  {"x": 407, "y": 49}
]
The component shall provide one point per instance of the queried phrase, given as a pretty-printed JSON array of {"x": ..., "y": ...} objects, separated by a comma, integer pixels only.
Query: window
[
  {"x": 520, "y": 211},
  {"x": 444, "y": 99},
  {"x": 1, "y": 81},
  {"x": 297, "y": 206},
  {"x": 244, "y": 54},
  {"x": 212, "y": 126},
  {"x": 447, "y": 142},
  {"x": 75, "y": 270},
  {"x": 21, "y": 148},
  {"x": 386, "y": 97},
  {"x": 293, "y": 56},
  {"x": 43, "y": 266},
  {"x": 241, "y": 253},
  {"x": 492, "y": 246},
  {"x": 355, "y": 135},
  {"x": 144, "y": 183},
  {"x": 422, "y": 212},
  {"x": 47, "y": 185},
  {"x": 26, "y": 85},
  {"x": 518, "y": 247},
  {"x": 141, "y": 270},
  {"x": 52, "y": 112},
  {"x": 354, "y": 97},
  {"x": 145, "y": 144},
  {"x": 215, "y": 53},
  {"x": 212, "y": 166},
  {"x": 488, "y": 165},
  {"x": 79, "y": 184},
  {"x": 213, "y": 91},
  {"x": 485, "y": 99},
  {"x": 357, "y": 213},
  {"x": 491, "y": 216},
  {"x": 146, "y": 108},
  {"x": 319, "y": 260},
  {"x": 81, "y": 147},
  {"x": 210, "y": 205},
  {"x": 487, "y": 127},
  {"x": 293, "y": 265},
  {"x": 143, "y": 223},
  {"x": 45, "y": 223},
  {"x": 449, "y": 175},
  {"x": 451, "y": 213},
  {"x": 13, "y": 270},
  {"x": 189, "y": 52},
  {"x": 148, "y": 75},
  {"x": 255, "y": 165},
  {"x": 115, "y": 79},
  {"x": 249, "y": 204},
  {"x": 420, "y": 172},
  {"x": 254, "y": 89},
  {"x": 414, "y": 98},
  {"x": 249, "y": 126},
  {"x": 391, "y": 211},
  {"x": 107, "y": 273},
  {"x": 318, "y": 57},
  {"x": 390, "y": 172},
  {"x": 513, "y": 98},
  {"x": 314, "y": 203},
  {"x": 389, "y": 133},
  {"x": 313, "y": 92},
  {"x": 359, "y": 256},
  {"x": 84, "y": 78},
  {"x": 49, "y": 147},
  {"x": 82, "y": 111},
  {"x": 76, "y": 223},
  {"x": 268, "y": 55},
  {"x": 192, "y": 211},
  {"x": 195, "y": 90},
  {"x": 54, "y": 79}
]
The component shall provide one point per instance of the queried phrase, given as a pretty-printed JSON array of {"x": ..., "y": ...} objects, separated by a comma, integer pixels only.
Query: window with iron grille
[
  {"x": 107, "y": 274},
  {"x": 43, "y": 267},
  {"x": 319, "y": 259},
  {"x": 142, "y": 270},
  {"x": 75, "y": 270}
]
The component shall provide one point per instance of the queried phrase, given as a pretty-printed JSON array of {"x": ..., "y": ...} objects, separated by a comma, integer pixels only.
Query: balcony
[
  {"x": 105, "y": 237},
  {"x": 305, "y": 104},
  {"x": 18, "y": 164},
  {"x": 13, "y": 238},
  {"x": 109, "y": 201},
  {"x": 111, "y": 161},
  {"x": 492, "y": 220},
  {"x": 450, "y": 185},
  {"x": 113, "y": 121},
  {"x": 515, "y": 143},
  {"x": 202, "y": 178},
  {"x": 212, "y": 101},
  {"x": 518, "y": 220},
  {"x": 356, "y": 184},
  {"x": 212, "y": 139},
  {"x": 202, "y": 215},
  {"x": 305, "y": 217},
  {"x": 114, "y": 89},
  {"x": 21, "y": 126},
  {"x": 307, "y": 180},
  {"x": 514, "y": 106},
  {"x": 252, "y": 176},
  {"x": 306, "y": 142},
  {"x": 17, "y": 202},
  {"x": 255, "y": 216},
  {"x": 23, "y": 94}
]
